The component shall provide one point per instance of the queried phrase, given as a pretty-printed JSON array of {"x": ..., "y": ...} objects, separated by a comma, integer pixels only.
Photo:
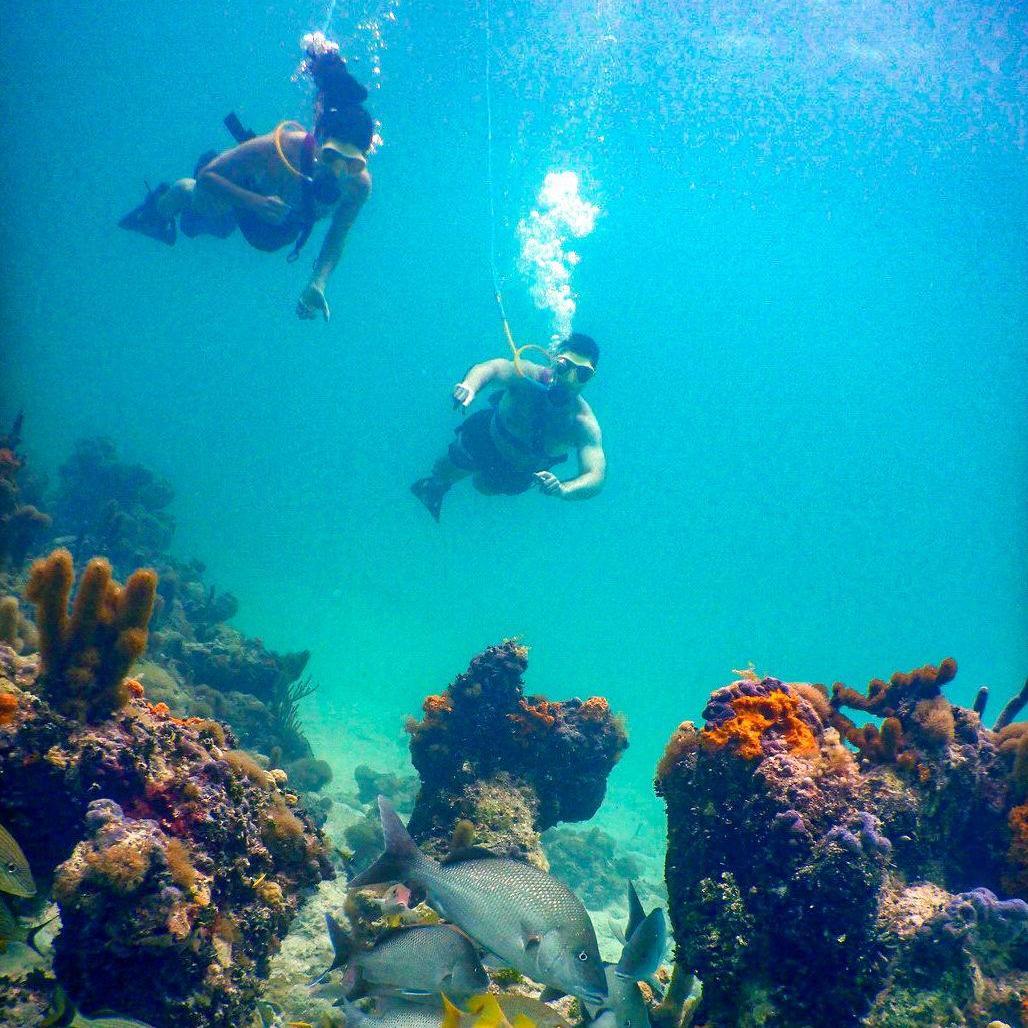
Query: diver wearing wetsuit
[
  {"x": 274, "y": 187},
  {"x": 531, "y": 423}
]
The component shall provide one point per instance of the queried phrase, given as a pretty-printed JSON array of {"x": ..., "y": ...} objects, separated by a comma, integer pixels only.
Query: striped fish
[{"x": 15, "y": 876}]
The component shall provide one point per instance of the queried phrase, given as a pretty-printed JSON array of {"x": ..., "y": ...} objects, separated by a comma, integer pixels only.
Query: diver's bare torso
[
  {"x": 546, "y": 429},
  {"x": 256, "y": 166}
]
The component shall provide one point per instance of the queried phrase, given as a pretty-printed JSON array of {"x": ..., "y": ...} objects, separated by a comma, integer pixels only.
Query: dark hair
[
  {"x": 337, "y": 109},
  {"x": 335, "y": 84},
  {"x": 583, "y": 345},
  {"x": 350, "y": 124}
]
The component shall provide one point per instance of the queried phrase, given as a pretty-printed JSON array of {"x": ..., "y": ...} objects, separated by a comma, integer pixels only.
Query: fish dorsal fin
[
  {"x": 471, "y": 853},
  {"x": 635, "y": 912},
  {"x": 645, "y": 948}
]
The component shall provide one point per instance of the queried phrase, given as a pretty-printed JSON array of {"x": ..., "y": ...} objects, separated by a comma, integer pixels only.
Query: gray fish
[
  {"x": 523, "y": 915},
  {"x": 419, "y": 962},
  {"x": 15, "y": 876},
  {"x": 394, "y": 1015},
  {"x": 645, "y": 944},
  {"x": 78, "y": 1021},
  {"x": 11, "y": 931},
  {"x": 646, "y": 941},
  {"x": 625, "y": 1006}
]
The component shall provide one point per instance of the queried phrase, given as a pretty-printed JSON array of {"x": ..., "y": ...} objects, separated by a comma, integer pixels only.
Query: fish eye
[
  {"x": 583, "y": 956},
  {"x": 12, "y": 867}
]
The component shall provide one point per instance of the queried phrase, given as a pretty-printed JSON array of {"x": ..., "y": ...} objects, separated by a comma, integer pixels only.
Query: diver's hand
[
  {"x": 312, "y": 301},
  {"x": 272, "y": 209},
  {"x": 549, "y": 484},
  {"x": 463, "y": 397}
]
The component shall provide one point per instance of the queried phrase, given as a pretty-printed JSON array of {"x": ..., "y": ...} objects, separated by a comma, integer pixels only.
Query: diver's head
[
  {"x": 344, "y": 135},
  {"x": 574, "y": 364},
  {"x": 342, "y": 126}
]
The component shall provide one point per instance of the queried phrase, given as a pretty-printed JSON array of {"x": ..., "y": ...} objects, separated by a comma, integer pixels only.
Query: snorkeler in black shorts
[
  {"x": 275, "y": 187},
  {"x": 531, "y": 423}
]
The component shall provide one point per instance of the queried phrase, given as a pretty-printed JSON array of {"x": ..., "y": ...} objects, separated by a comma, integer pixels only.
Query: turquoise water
[{"x": 808, "y": 282}]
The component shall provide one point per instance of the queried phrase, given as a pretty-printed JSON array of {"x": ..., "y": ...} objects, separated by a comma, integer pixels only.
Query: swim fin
[
  {"x": 430, "y": 491},
  {"x": 148, "y": 220}
]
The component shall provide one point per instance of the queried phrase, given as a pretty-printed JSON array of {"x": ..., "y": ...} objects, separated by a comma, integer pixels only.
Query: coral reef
[
  {"x": 872, "y": 871},
  {"x": 591, "y": 863},
  {"x": 22, "y": 523},
  {"x": 86, "y": 656},
  {"x": 510, "y": 764},
  {"x": 170, "y": 860},
  {"x": 112, "y": 509}
]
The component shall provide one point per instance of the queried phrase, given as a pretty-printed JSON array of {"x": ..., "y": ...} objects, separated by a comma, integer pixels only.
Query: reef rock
[
  {"x": 22, "y": 523},
  {"x": 810, "y": 884},
  {"x": 174, "y": 857},
  {"x": 498, "y": 767}
]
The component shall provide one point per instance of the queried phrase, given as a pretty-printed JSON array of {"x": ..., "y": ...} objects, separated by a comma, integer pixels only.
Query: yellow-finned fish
[
  {"x": 15, "y": 876},
  {"x": 489, "y": 1011}
]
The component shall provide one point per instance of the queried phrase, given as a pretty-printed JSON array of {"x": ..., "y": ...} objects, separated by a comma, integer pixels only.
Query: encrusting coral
[
  {"x": 510, "y": 764},
  {"x": 872, "y": 872},
  {"x": 86, "y": 656}
]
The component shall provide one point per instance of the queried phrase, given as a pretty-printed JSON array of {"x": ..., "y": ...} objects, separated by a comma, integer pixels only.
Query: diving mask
[
  {"x": 343, "y": 158},
  {"x": 568, "y": 363}
]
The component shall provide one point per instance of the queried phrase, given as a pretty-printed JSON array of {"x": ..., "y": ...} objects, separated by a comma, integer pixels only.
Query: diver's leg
[
  {"x": 176, "y": 198},
  {"x": 431, "y": 490}
]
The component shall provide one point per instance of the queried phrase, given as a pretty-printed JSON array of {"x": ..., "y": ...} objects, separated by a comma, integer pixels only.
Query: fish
[
  {"x": 641, "y": 955},
  {"x": 393, "y": 1015},
  {"x": 646, "y": 941},
  {"x": 416, "y": 962},
  {"x": 78, "y": 1021},
  {"x": 513, "y": 910},
  {"x": 11, "y": 931},
  {"x": 483, "y": 1012},
  {"x": 15, "y": 876},
  {"x": 61, "y": 1009},
  {"x": 537, "y": 1012}
]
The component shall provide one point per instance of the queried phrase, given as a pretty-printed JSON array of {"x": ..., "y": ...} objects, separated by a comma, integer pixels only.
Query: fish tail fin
[
  {"x": 401, "y": 855},
  {"x": 341, "y": 947},
  {"x": 30, "y": 939}
]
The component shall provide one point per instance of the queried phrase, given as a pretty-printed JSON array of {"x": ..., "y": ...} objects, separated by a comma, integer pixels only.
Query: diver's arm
[
  {"x": 312, "y": 299},
  {"x": 345, "y": 215},
  {"x": 478, "y": 377},
  {"x": 592, "y": 466},
  {"x": 217, "y": 178}
]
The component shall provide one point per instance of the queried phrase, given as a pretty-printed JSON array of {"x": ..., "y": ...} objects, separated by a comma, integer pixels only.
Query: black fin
[
  {"x": 430, "y": 491},
  {"x": 636, "y": 914},
  {"x": 401, "y": 853},
  {"x": 148, "y": 221}
]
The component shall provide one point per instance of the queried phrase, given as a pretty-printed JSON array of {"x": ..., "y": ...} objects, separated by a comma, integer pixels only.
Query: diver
[
  {"x": 274, "y": 187},
  {"x": 532, "y": 420}
]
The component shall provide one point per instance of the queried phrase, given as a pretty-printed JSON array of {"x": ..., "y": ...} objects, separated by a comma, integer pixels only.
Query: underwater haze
[{"x": 807, "y": 279}]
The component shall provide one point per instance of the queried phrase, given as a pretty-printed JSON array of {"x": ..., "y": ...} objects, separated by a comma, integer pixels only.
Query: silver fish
[
  {"x": 645, "y": 940},
  {"x": 15, "y": 876},
  {"x": 645, "y": 943},
  {"x": 523, "y": 915},
  {"x": 419, "y": 962},
  {"x": 393, "y": 1015}
]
